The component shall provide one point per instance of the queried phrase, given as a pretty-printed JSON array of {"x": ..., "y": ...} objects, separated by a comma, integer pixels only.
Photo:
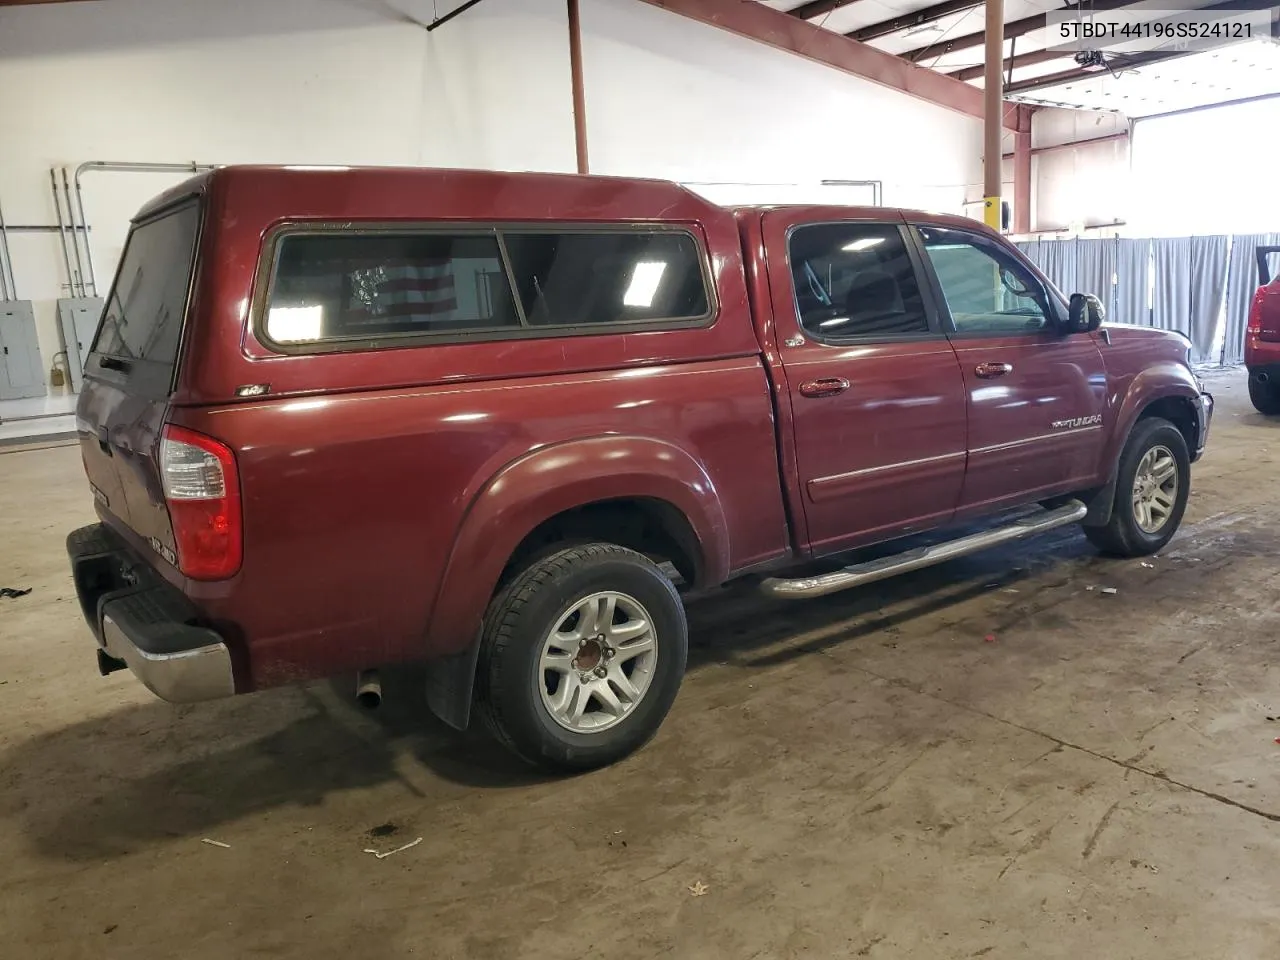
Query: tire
[
  {"x": 1130, "y": 532},
  {"x": 522, "y": 668},
  {"x": 1265, "y": 397}
]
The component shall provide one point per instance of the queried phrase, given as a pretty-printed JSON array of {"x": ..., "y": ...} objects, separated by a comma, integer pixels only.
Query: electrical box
[
  {"x": 21, "y": 371},
  {"x": 78, "y": 320}
]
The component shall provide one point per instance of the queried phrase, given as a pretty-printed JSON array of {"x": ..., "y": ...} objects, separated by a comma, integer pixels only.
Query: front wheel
[
  {"x": 1153, "y": 482},
  {"x": 1265, "y": 396},
  {"x": 581, "y": 657}
]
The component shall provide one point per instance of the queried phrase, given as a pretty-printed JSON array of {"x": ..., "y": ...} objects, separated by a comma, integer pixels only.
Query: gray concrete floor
[{"x": 864, "y": 776}]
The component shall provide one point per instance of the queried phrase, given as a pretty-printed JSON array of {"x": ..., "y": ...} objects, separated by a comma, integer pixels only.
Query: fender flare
[
  {"x": 525, "y": 493},
  {"x": 1160, "y": 381}
]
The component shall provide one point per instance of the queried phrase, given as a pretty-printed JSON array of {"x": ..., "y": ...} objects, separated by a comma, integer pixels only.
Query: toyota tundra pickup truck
[{"x": 501, "y": 424}]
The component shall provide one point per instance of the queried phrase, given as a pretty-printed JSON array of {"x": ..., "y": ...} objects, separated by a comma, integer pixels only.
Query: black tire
[
  {"x": 1122, "y": 536},
  {"x": 1265, "y": 396},
  {"x": 509, "y": 681}
]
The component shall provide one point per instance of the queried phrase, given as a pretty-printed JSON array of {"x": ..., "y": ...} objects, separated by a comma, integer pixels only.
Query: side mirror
[{"x": 1085, "y": 314}]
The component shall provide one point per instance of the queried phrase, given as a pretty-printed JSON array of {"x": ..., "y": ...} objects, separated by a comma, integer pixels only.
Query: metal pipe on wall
[
  {"x": 75, "y": 232},
  {"x": 6, "y": 262},
  {"x": 579, "y": 94},
  {"x": 62, "y": 231},
  {"x": 124, "y": 166},
  {"x": 993, "y": 108}
]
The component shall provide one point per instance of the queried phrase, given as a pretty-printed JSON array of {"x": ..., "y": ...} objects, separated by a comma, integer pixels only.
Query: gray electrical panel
[
  {"x": 78, "y": 321},
  {"x": 21, "y": 372}
]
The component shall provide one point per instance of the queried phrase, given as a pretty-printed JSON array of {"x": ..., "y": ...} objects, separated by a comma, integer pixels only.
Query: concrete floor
[{"x": 864, "y": 776}]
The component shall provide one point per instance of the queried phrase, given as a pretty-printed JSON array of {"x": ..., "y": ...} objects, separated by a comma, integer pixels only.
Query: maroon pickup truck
[{"x": 498, "y": 423}]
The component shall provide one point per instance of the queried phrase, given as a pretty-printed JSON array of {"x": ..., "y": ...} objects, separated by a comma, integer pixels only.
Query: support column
[
  {"x": 1022, "y": 182},
  {"x": 579, "y": 94},
  {"x": 993, "y": 107}
]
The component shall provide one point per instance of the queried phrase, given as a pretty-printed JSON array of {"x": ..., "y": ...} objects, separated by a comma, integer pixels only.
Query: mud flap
[
  {"x": 1102, "y": 504},
  {"x": 450, "y": 681}
]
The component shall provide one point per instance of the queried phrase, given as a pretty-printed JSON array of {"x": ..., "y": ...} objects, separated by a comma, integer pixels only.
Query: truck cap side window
[
  {"x": 371, "y": 287},
  {"x": 986, "y": 289},
  {"x": 855, "y": 280}
]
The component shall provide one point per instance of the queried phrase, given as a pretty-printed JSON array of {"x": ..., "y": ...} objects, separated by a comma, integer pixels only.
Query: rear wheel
[
  {"x": 1265, "y": 396},
  {"x": 581, "y": 658},
  {"x": 1153, "y": 482}
]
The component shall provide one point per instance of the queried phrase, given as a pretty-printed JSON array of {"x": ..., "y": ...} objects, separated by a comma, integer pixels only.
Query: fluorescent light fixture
[
  {"x": 292, "y": 324},
  {"x": 866, "y": 243},
  {"x": 645, "y": 278}
]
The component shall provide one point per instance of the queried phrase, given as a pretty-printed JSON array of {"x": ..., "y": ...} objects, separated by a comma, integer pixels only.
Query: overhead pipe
[
  {"x": 75, "y": 233},
  {"x": 6, "y": 263},
  {"x": 62, "y": 230},
  {"x": 122, "y": 166}
]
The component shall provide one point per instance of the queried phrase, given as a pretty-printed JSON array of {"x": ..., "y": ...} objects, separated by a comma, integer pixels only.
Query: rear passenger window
[
  {"x": 572, "y": 279},
  {"x": 855, "y": 280},
  {"x": 359, "y": 286}
]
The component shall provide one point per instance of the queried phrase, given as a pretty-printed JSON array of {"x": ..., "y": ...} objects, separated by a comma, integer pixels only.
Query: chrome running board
[{"x": 804, "y": 588}]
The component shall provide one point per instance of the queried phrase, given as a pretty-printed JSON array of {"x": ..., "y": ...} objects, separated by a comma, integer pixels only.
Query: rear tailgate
[{"x": 130, "y": 370}]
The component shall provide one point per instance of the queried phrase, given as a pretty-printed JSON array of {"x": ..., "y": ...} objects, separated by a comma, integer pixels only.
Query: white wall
[
  {"x": 1079, "y": 186},
  {"x": 362, "y": 82}
]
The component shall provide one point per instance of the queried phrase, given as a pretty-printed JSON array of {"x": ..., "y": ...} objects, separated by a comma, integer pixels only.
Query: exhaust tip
[
  {"x": 369, "y": 689},
  {"x": 1262, "y": 376}
]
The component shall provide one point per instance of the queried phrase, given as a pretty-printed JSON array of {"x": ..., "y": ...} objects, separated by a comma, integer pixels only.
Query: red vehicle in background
[{"x": 1262, "y": 339}]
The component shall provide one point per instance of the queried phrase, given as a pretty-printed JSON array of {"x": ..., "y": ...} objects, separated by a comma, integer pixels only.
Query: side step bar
[{"x": 805, "y": 588}]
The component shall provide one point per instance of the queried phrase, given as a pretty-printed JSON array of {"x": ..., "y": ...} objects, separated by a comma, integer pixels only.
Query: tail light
[
  {"x": 202, "y": 490},
  {"x": 1264, "y": 315}
]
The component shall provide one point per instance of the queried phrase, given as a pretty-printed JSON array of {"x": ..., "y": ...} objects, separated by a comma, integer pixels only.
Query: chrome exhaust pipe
[{"x": 368, "y": 689}]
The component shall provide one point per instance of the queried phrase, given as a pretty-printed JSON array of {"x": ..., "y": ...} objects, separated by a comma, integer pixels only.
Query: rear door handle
[
  {"x": 104, "y": 441},
  {"x": 826, "y": 387},
  {"x": 989, "y": 371}
]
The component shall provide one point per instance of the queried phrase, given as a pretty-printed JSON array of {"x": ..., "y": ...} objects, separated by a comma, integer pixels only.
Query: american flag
[{"x": 417, "y": 288}]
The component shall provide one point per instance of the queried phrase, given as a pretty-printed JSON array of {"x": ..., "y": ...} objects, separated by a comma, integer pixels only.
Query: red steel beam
[
  {"x": 1012, "y": 63},
  {"x": 780, "y": 30},
  {"x": 816, "y": 8}
]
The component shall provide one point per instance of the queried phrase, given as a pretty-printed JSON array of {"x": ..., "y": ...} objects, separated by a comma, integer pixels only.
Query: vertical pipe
[
  {"x": 993, "y": 104},
  {"x": 6, "y": 263},
  {"x": 88, "y": 250},
  {"x": 75, "y": 240},
  {"x": 62, "y": 229},
  {"x": 579, "y": 94},
  {"x": 1022, "y": 182}
]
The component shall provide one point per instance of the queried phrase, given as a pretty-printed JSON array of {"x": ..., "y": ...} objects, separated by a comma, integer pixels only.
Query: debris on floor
[
  {"x": 215, "y": 843},
  {"x": 1149, "y": 566},
  {"x": 698, "y": 889},
  {"x": 383, "y": 856},
  {"x": 989, "y": 638},
  {"x": 13, "y": 593},
  {"x": 1109, "y": 591}
]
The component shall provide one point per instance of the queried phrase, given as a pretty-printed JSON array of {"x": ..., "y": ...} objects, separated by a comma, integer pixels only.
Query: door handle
[
  {"x": 826, "y": 387},
  {"x": 104, "y": 441},
  {"x": 989, "y": 371}
]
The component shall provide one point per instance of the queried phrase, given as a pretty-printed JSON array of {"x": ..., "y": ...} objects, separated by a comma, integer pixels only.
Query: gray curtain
[
  {"x": 1095, "y": 271},
  {"x": 1132, "y": 266},
  {"x": 1031, "y": 250},
  {"x": 1058, "y": 261},
  {"x": 1242, "y": 281},
  {"x": 1190, "y": 288}
]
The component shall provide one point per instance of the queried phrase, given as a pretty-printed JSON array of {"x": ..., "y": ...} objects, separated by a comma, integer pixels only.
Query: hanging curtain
[
  {"x": 1058, "y": 261},
  {"x": 1031, "y": 250},
  {"x": 1208, "y": 280},
  {"x": 1133, "y": 263},
  {"x": 1242, "y": 281},
  {"x": 1190, "y": 286},
  {"x": 1095, "y": 271}
]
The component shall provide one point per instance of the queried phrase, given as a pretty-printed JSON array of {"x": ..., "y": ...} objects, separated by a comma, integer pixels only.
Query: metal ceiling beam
[
  {"x": 1130, "y": 62},
  {"x": 816, "y": 8},
  {"x": 917, "y": 18},
  {"x": 1014, "y": 28},
  {"x": 782, "y": 31},
  {"x": 1012, "y": 63}
]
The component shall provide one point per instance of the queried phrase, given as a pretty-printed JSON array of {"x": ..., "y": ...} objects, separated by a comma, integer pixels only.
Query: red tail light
[
  {"x": 202, "y": 490},
  {"x": 1264, "y": 315}
]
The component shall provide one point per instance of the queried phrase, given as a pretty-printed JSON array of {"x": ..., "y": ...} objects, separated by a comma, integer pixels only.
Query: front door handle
[
  {"x": 989, "y": 371},
  {"x": 826, "y": 387}
]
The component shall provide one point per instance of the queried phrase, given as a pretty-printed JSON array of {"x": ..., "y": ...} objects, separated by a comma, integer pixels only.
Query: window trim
[
  {"x": 935, "y": 330},
  {"x": 269, "y": 255},
  {"x": 1053, "y": 319}
]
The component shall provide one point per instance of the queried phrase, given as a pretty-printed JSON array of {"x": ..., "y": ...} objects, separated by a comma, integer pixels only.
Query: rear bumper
[
  {"x": 142, "y": 621},
  {"x": 1265, "y": 372}
]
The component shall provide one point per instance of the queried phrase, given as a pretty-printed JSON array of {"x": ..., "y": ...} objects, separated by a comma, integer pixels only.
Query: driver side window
[{"x": 986, "y": 289}]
